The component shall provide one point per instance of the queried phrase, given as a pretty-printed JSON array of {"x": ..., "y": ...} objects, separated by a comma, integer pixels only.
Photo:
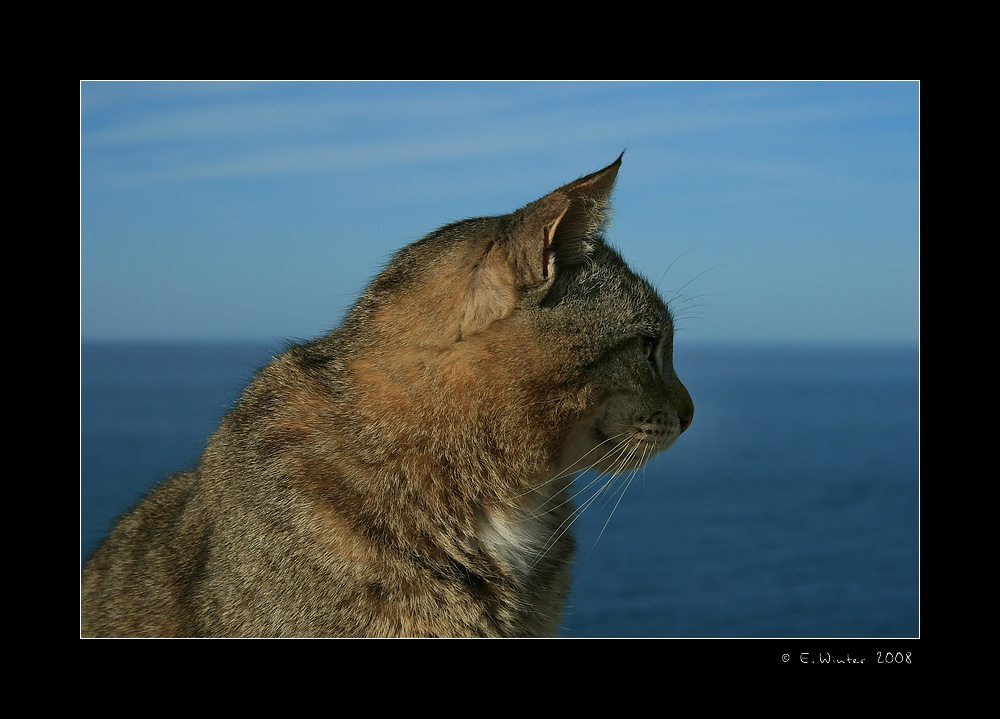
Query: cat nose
[
  {"x": 685, "y": 420},
  {"x": 684, "y": 406}
]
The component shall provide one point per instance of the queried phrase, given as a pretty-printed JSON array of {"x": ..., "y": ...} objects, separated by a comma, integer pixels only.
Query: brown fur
[{"x": 407, "y": 474}]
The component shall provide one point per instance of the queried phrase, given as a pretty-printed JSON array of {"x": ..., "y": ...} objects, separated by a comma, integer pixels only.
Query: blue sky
[{"x": 776, "y": 211}]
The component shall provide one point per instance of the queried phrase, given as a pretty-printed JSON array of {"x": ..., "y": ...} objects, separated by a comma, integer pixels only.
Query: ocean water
[{"x": 790, "y": 508}]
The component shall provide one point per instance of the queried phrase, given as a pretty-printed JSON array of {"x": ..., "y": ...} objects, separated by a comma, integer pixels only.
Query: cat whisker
[
  {"x": 576, "y": 467},
  {"x": 688, "y": 303},
  {"x": 672, "y": 263},
  {"x": 681, "y": 289},
  {"x": 621, "y": 495},
  {"x": 567, "y": 523},
  {"x": 647, "y": 452},
  {"x": 623, "y": 462},
  {"x": 685, "y": 308},
  {"x": 608, "y": 476}
]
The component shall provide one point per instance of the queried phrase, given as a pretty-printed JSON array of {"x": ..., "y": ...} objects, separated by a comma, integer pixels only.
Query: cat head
[{"x": 530, "y": 333}]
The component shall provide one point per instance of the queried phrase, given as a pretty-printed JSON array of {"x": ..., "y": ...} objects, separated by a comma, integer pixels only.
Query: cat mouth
[
  {"x": 630, "y": 448},
  {"x": 606, "y": 441}
]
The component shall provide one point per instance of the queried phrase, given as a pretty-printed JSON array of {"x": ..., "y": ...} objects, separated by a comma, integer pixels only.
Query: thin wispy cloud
[
  {"x": 178, "y": 132},
  {"x": 725, "y": 166}
]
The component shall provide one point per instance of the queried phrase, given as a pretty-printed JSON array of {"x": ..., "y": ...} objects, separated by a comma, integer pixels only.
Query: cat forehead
[
  {"x": 644, "y": 312},
  {"x": 617, "y": 278},
  {"x": 607, "y": 291}
]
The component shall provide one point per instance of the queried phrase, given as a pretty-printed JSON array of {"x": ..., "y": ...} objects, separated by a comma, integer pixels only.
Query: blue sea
[{"x": 789, "y": 509}]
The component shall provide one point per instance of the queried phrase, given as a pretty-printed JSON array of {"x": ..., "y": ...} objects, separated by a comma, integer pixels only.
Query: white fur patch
[{"x": 515, "y": 543}]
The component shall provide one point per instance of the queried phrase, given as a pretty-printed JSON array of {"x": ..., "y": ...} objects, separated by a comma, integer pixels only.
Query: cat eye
[{"x": 648, "y": 347}]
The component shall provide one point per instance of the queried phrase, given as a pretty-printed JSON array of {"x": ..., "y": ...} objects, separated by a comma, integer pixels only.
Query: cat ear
[
  {"x": 585, "y": 213},
  {"x": 556, "y": 230},
  {"x": 559, "y": 229}
]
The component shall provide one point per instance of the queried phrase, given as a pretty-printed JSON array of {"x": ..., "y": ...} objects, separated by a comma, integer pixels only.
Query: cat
[{"x": 408, "y": 474}]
